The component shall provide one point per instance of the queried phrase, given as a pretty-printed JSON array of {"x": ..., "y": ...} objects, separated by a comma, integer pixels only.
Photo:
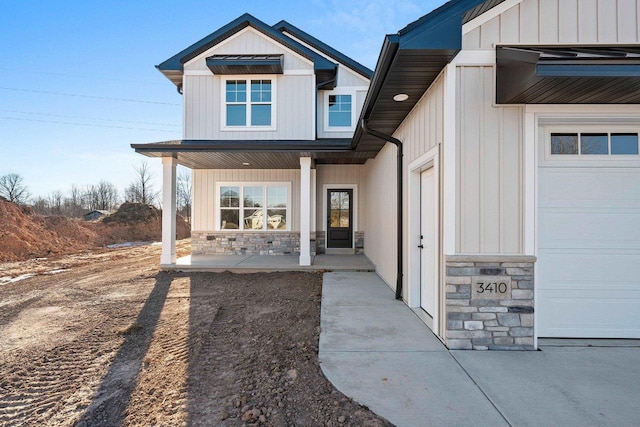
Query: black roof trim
[
  {"x": 568, "y": 74},
  {"x": 284, "y": 26},
  {"x": 480, "y": 9},
  {"x": 409, "y": 62},
  {"x": 246, "y": 64},
  {"x": 183, "y": 145},
  {"x": 173, "y": 67}
]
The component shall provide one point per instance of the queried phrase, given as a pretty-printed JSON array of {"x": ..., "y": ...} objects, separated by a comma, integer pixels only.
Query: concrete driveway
[{"x": 376, "y": 350}]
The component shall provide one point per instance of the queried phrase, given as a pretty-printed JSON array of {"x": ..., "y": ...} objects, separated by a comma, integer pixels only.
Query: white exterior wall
[
  {"x": 341, "y": 175},
  {"x": 205, "y": 197},
  {"x": 558, "y": 22},
  {"x": 380, "y": 205},
  {"x": 490, "y": 167},
  {"x": 294, "y": 93}
]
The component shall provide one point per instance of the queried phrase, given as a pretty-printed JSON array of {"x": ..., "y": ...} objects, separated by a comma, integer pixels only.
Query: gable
[
  {"x": 250, "y": 41},
  {"x": 556, "y": 22}
]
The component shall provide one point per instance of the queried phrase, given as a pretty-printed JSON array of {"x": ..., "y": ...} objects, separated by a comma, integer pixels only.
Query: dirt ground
[{"x": 105, "y": 339}]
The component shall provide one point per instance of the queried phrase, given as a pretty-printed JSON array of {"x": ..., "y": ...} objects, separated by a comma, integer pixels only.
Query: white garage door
[{"x": 588, "y": 275}]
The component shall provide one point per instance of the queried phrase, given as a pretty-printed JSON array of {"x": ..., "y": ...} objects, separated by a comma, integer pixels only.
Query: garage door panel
[
  {"x": 601, "y": 228},
  {"x": 588, "y": 268},
  {"x": 593, "y": 315},
  {"x": 579, "y": 270},
  {"x": 589, "y": 187}
]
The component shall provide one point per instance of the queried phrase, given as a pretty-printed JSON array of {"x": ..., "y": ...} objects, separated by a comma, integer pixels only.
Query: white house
[{"x": 519, "y": 184}]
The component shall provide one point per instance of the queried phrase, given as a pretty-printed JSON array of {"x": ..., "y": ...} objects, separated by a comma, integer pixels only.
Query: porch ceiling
[{"x": 209, "y": 154}]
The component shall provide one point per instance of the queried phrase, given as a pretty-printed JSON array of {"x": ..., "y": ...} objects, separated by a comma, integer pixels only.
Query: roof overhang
[
  {"x": 568, "y": 74},
  {"x": 280, "y": 154},
  {"x": 246, "y": 64},
  {"x": 409, "y": 63}
]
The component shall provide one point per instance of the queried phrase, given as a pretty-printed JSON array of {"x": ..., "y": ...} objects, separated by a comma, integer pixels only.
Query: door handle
[{"x": 421, "y": 246}]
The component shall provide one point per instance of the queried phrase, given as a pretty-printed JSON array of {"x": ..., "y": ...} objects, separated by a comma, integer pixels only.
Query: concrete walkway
[{"x": 376, "y": 350}]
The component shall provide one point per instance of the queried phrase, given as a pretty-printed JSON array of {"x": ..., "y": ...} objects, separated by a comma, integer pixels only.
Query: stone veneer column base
[
  {"x": 480, "y": 322},
  {"x": 321, "y": 244}
]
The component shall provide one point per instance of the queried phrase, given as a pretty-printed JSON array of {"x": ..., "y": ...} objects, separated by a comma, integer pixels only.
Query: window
[
  {"x": 248, "y": 104},
  {"x": 254, "y": 206},
  {"x": 602, "y": 143},
  {"x": 339, "y": 112}
]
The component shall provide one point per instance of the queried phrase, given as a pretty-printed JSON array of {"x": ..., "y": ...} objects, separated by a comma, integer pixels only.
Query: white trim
[
  {"x": 354, "y": 206},
  {"x": 489, "y": 15},
  {"x": 449, "y": 161},
  {"x": 299, "y": 72},
  {"x": 313, "y": 123},
  {"x": 354, "y": 119},
  {"x": 430, "y": 159},
  {"x": 240, "y": 33},
  {"x": 475, "y": 57},
  {"x": 530, "y": 161},
  {"x": 273, "y": 78},
  {"x": 198, "y": 73},
  {"x": 242, "y": 184}
]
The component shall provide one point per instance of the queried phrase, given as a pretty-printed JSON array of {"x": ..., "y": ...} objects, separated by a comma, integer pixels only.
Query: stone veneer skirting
[
  {"x": 479, "y": 323},
  {"x": 260, "y": 243},
  {"x": 247, "y": 243}
]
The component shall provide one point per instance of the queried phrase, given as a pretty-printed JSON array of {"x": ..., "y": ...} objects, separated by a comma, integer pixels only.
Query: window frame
[
  {"x": 241, "y": 208},
  {"x": 248, "y": 127},
  {"x": 339, "y": 91},
  {"x": 589, "y": 159}
]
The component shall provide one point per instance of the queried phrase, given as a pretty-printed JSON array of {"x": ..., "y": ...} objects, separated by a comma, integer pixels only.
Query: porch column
[
  {"x": 168, "y": 210},
  {"x": 305, "y": 210}
]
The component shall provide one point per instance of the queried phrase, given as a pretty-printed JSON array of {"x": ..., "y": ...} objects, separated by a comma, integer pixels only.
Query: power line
[
  {"x": 90, "y": 118},
  {"x": 77, "y": 76},
  {"x": 86, "y": 124},
  {"x": 89, "y": 96}
]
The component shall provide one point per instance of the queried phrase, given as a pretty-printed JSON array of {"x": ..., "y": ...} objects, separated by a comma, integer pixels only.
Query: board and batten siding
[
  {"x": 423, "y": 128},
  {"x": 294, "y": 100},
  {"x": 360, "y": 96},
  {"x": 490, "y": 167},
  {"x": 204, "y": 192},
  {"x": 340, "y": 174},
  {"x": 250, "y": 42},
  {"x": 380, "y": 204},
  {"x": 560, "y": 22}
]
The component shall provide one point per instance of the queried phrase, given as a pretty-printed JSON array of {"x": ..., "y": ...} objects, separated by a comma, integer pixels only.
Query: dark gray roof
[
  {"x": 479, "y": 10},
  {"x": 172, "y": 68},
  {"x": 284, "y": 26}
]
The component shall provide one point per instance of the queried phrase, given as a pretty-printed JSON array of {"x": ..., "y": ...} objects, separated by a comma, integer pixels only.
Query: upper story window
[
  {"x": 248, "y": 104},
  {"x": 339, "y": 112}
]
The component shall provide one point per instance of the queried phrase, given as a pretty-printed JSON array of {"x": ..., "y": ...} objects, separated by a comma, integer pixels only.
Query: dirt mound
[
  {"x": 24, "y": 234},
  {"x": 137, "y": 222}
]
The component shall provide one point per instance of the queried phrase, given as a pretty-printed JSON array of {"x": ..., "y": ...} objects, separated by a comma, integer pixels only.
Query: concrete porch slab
[{"x": 259, "y": 263}]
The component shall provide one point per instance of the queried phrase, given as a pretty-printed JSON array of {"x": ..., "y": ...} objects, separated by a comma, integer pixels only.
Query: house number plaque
[{"x": 490, "y": 287}]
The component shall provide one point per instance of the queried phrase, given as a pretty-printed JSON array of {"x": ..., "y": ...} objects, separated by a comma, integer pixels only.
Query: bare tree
[
  {"x": 141, "y": 190},
  {"x": 13, "y": 189},
  {"x": 56, "y": 202},
  {"x": 103, "y": 196},
  {"x": 184, "y": 188}
]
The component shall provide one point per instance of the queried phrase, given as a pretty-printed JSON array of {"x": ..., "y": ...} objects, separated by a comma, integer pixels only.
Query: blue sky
[{"x": 78, "y": 83}]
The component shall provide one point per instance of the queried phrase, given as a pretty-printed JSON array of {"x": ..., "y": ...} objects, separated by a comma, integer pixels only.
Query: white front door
[{"x": 428, "y": 242}]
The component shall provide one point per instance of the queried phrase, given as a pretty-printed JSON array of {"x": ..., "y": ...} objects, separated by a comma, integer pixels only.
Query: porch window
[
  {"x": 254, "y": 206},
  {"x": 248, "y": 104}
]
